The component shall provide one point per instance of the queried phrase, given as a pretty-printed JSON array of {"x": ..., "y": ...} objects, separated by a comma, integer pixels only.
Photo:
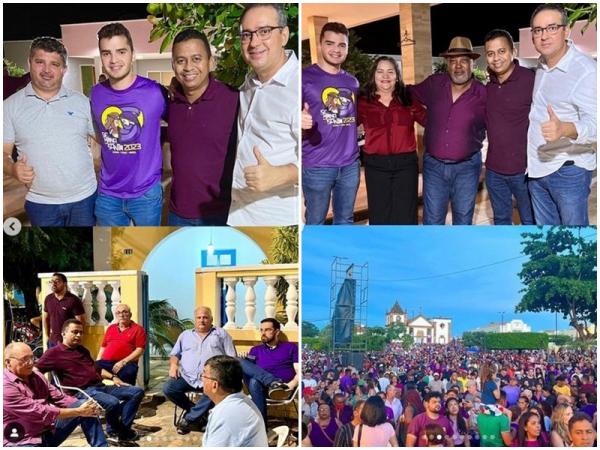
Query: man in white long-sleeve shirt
[
  {"x": 561, "y": 148},
  {"x": 234, "y": 421}
]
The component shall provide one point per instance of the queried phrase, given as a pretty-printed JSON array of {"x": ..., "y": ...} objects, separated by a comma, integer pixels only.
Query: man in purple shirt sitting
[
  {"x": 269, "y": 364},
  {"x": 202, "y": 134},
  {"x": 35, "y": 413},
  {"x": 74, "y": 366},
  {"x": 509, "y": 95},
  {"x": 454, "y": 135}
]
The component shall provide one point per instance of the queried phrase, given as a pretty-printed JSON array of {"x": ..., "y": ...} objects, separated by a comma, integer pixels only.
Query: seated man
[
  {"x": 191, "y": 351},
  {"x": 269, "y": 364},
  {"x": 234, "y": 421},
  {"x": 35, "y": 412},
  {"x": 122, "y": 346},
  {"x": 74, "y": 366}
]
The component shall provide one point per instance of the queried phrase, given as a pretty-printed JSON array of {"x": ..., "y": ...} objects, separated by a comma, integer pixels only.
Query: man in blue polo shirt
[
  {"x": 507, "y": 118},
  {"x": 203, "y": 136},
  {"x": 269, "y": 364},
  {"x": 50, "y": 125}
]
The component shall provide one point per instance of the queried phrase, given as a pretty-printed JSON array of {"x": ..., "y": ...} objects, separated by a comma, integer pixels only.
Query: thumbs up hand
[
  {"x": 22, "y": 171},
  {"x": 259, "y": 178},
  {"x": 552, "y": 130},
  {"x": 307, "y": 120}
]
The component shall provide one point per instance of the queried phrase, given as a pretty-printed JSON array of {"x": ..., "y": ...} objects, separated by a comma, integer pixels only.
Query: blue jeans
[
  {"x": 119, "y": 416},
  {"x": 128, "y": 373},
  {"x": 320, "y": 184},
  {"x": 257, "y": 380},
  {"x": 454, "y": 182},
  {"x": 175, "y": 390},
  {"x": 178, "y": 221},
  {"x": 562, "y": 197},
  {"x": 144, "y": 210},
  {"x": 76, "y": 214},
  {"x": 501, "y": 189},
  {"x": 64, "y": 427}
]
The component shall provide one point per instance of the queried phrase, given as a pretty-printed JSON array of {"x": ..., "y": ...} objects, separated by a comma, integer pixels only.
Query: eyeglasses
[
  {"x": 25, "y": 359},
  {"x": 263, "y": 33},
  {"x": 118, "y": 313},
  {"x": 207, "y": 377},
  {"x": 550, "y": 29}
]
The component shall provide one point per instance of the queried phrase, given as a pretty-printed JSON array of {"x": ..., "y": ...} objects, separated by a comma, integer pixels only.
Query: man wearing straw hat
[{"x": 454, "y": 136}]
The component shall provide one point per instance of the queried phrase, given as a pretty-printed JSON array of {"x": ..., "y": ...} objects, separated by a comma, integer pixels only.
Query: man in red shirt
[{"x": 123, "y": 345}]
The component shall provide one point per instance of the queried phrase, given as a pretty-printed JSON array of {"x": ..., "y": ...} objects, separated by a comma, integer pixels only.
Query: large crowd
[{"x": 449, "y": 395}]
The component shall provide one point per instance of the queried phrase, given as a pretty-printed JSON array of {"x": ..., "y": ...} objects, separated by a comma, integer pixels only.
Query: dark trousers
[
  {"x": 392, "y": 183},
  {"x": 128, "y": 373}
]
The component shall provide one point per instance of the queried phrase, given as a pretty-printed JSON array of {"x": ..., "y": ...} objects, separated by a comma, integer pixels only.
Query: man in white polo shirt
[
  {"x": 50, "y": 126},
  {"x": 265, "y": 175}
]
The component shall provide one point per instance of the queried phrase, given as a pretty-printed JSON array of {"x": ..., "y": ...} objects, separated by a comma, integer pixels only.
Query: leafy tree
[
  {"x": 309, "y": 329},
  {"x": 12, "y": 69},
  {"x": 395, "y": 332},
  {"x": 220, "y": 23},
  {"x": 516, "y": 341},
  {"x": 582, "y": 11},
  {"x": 560, "y": 339},
  {"x": 36, "y": 250},
  {"x": 165, "y": 326},
  {"x": 407, "y": 341},
  {"x": 560, "y": 276},
  {"x": 474, "y": 338}
]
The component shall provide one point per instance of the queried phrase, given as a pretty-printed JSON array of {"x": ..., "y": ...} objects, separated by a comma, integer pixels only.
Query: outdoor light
[
  {"x": 406, "y": 40},
  {"x": 211, "y": 247}
]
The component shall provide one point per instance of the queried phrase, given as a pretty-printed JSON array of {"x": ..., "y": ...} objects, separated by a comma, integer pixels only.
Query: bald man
[
  {"x": 192, "y": 349},
  {"x": 35, "y": 412}
]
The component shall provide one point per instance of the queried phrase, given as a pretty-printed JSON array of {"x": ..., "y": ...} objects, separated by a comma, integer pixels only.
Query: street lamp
[{"x": 502, "y": 321}]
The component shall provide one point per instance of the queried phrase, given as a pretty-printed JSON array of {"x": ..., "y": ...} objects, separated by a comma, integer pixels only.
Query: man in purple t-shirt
[
  {"x": 416, "y": 430},
  {"x": 270, "y": 364},
  {"x": 202, "y": 134},
  {"x": 454, "y": 136},
  {"x": 127, "y": 111},
  {"x": 507, "y": 118},
  {"x": 330, "y": 164}
]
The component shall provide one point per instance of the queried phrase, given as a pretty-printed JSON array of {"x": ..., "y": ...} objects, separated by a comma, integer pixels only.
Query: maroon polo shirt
[
  {"x": 60, "y": 310},
  {"x": 507, "y": 117},
  {"x": 203, "y": 137},
  {"x": 455, "y": 130},
  {"x": 73, "y": 366}
]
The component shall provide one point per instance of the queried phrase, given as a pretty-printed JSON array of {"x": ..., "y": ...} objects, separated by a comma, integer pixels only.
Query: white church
[{"x": 424, "y": 330}]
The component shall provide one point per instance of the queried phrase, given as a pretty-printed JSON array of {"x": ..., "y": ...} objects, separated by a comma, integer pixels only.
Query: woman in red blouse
[{"x": 388, "y": 116}]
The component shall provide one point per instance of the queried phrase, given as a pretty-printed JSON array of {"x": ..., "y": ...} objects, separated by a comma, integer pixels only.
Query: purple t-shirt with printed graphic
[
  {"x": 331, "y": 98},
  {"x": 128, "y": 122}
]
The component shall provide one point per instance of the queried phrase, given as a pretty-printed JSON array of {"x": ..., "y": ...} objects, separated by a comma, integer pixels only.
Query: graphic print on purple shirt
[
  {"x": 128, "y": 122},
  {"x": 332, "y": 101},
  {"x": 278, "y": 361}
]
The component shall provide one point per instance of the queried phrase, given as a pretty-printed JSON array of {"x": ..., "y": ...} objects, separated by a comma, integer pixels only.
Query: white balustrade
[
  {"x": 101, "y": 303},
  {"x": 250, "y": 298},
  {"x": 230, "y": 298},
  {"x": 270, "y": 295},
  {"x": 291, "y": 309},
  {"x": 85, "y": 289}
]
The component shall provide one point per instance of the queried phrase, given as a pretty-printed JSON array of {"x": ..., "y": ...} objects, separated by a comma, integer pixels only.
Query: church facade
[{"x": 424, "y": 330}]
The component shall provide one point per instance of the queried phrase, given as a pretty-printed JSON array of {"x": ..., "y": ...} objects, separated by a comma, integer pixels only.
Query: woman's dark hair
[
  {"x": 541, "y": 413},
  {"x": 522, "y": 434},
  {"x": 373, "y": 413},
  {"x": 400, "y": 93},
  {"x": 460, "y": 420}
]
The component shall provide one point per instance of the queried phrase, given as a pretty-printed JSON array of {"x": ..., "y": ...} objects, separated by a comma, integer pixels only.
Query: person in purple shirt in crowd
[
  {"x": 508, "y": 104},
  {"x": 347, "y": 382},
  {"x": 202, "y": 134},
  {"x": 58, "y": 307},
  {"x": 74, "y": 366},
  {"x": 513, "y": 392},
  {"x": 433, "y": 404},
  {"x": 454, "y": 136},
  {"x": 127, "y": 110},
  {"x": 36, "y": 413},
  {"x": 342, "y": 411},
  {"x": 330, "y": 157},
  {"x": 271, "y": 367}
]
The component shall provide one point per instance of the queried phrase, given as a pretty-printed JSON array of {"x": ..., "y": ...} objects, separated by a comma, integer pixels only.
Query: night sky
[{"x": 26, "y": 21}]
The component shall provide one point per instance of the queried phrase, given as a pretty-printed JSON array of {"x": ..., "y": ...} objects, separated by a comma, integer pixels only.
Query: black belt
[{"x": 448, "y": 161}]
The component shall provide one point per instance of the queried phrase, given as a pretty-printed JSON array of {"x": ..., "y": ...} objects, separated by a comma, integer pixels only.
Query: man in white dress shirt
[
  {"x": 561, "y": 147},
  {"x": 265, "y": 176},
  {"x": 234, "y": 421}
]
